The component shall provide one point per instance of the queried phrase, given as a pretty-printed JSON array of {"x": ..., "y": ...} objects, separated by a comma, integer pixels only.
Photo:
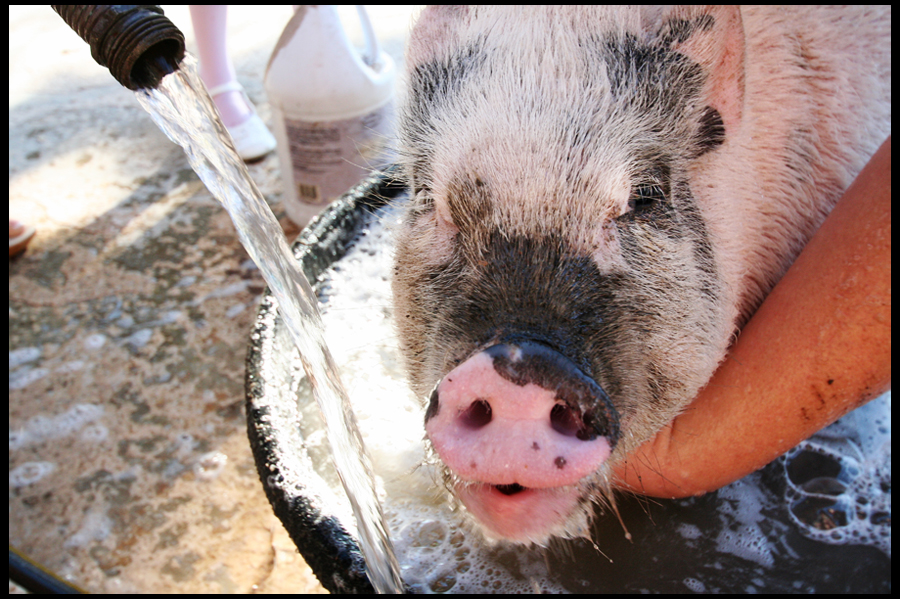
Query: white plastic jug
[{"x": 333, "y": 109}]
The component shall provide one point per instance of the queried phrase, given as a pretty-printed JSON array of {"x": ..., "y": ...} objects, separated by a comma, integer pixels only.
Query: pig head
[{"x": 601, "y": 197}]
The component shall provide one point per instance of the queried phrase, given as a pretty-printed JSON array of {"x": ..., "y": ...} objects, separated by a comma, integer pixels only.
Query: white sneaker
[{"x": 252, "y": 139}]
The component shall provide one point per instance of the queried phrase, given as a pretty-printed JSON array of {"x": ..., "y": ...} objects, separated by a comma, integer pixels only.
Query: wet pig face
[{"x": 557, "y": 292}]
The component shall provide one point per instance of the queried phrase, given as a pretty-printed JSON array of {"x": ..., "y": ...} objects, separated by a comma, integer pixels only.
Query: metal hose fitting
[{"x": 137, "y": 43}]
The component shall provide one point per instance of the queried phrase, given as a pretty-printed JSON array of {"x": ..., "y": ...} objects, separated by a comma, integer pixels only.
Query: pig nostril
[
  {"x": 570, "y": 422},
  {"x": 510, "y": 489},
  {"x": 567, "y": 421},
  {"x": 477, "y": 415}
]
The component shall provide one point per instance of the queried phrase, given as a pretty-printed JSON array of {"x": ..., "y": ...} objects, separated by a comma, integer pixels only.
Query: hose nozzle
[{"x": 137, "y": 43}]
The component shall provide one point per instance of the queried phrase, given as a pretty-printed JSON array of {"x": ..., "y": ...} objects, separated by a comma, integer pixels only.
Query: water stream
[{"x": 181, "y": 107}]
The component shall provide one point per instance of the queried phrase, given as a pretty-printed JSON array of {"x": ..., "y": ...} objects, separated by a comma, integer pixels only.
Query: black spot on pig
[
  {"x": 662, "y": 84},
  {"x": 440, "y": 81},
  {"x": 653, "y": 77},
  {"x": 433, "y": 86},
  {"x": 712, "y": 131}
]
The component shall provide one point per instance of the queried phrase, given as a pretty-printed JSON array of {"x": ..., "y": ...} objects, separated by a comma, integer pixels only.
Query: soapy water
[
  {"x": 753, "y": 535},
  {"x": 184, "y": 111},
  {"x": 839, "y": 481}
]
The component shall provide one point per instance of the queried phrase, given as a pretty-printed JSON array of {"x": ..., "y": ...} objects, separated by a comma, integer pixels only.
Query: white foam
[
  {"x": 235, "y": 310},
  {"x": 20, "y": 356},
  {"x": 42, "y": 427},
  {"x": 859, "y": 445},
  {"x": 95, "y": 341},
  {"x": 29, "y": 473},
  {"x": 694, "y": 585},
  {"x": 139, "y": 338},
  {"x": 210, "y": 465},
  {"x": 96, "y": 526},
  {"x": 747, "y": 540},
  {"x": 71, "y": 366},
  {"x": 24, "y": 376},
  {"x": 94, "y": 433}
]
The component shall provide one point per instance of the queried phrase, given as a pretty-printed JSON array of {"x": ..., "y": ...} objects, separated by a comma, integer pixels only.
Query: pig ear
[
  {"x": 435, "y": 31},
  {"x": 713, "y": 37}
]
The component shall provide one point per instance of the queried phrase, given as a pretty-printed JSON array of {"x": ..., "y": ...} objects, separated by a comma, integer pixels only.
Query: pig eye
[{"x": 645, "y": 196}]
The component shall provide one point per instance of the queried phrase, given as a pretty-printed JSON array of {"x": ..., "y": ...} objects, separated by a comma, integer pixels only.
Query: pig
[{"x": 601, "y": 198}]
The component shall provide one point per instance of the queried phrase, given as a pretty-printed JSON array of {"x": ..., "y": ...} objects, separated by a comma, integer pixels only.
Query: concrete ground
[{"x": 129, "y": 317}]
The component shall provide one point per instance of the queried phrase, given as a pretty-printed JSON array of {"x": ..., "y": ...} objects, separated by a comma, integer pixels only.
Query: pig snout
[{"x": 520, "y": 426}]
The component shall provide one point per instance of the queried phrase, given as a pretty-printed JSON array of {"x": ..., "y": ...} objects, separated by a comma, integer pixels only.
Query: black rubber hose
[
  {"x": 137, "y": 43},
  {"x": 35, "y": 579}
]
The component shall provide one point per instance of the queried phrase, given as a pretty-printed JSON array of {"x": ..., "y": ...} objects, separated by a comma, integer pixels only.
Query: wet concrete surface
[{"x": 129, "y": 316}]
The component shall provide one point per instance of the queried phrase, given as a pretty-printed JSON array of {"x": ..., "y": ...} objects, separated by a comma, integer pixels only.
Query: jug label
[{"x": 328, "y": 158}]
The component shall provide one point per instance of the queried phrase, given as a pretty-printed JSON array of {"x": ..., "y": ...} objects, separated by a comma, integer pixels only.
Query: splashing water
[{"x": 181, "y": 107}]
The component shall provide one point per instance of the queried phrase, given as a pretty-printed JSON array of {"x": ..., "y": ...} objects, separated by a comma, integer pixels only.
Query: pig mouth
[
  {"x": 522, "y": 431},
  {"x": 523, "y": 514},
  {"x": 510, "y": 489}
]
